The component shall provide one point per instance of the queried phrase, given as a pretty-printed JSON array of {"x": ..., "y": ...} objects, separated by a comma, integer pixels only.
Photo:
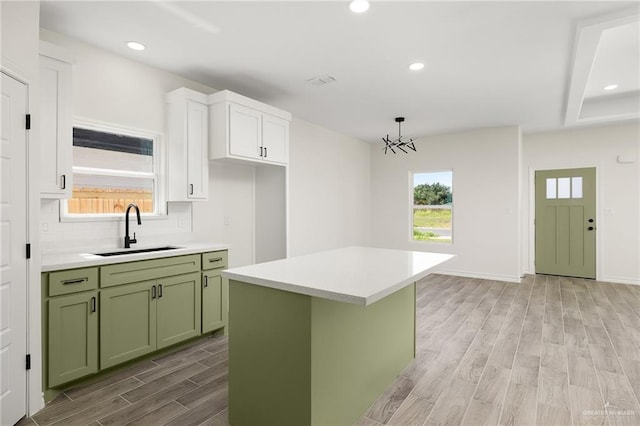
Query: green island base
[{"x": 301, "y": 360}]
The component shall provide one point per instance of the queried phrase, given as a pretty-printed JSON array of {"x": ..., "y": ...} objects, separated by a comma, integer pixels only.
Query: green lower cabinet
[
  {"x": 73, "y": 337},
  {"x": 127, "y": 322},
  {"x": 136, "y": 319},
  {"x": 178, "y": 309},
  {"x": 213, "y": 301},
  {"x": 99, "y": 317}
]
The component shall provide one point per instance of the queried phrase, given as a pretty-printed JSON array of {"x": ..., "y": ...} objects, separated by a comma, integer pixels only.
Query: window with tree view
[
  {"x": 112, "y": 168},
  {"x": 433, "y": 206}
]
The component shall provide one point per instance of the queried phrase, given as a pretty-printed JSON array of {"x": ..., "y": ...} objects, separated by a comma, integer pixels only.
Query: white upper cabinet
[
  {"x": 244, "y": 129},
  {"x": 187, "y": 134},
  {"x": 275, "y": 139},
  {"x": 55, "y": 122}
]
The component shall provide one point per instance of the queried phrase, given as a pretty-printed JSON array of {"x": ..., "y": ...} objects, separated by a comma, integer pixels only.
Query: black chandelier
[{"x": 401, "y": 143}]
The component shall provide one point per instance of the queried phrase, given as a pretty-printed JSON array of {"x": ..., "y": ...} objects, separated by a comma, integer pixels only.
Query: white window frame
[
  {"x": 412, "y": 207},
  {"x": 158, "y": 175}
]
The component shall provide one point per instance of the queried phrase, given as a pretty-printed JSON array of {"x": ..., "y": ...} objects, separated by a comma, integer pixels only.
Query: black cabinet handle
[
  {"x": 63, "y": 178},
  {"x": 590, "y": 221},
  {"x": 190, "y": 189},
  {"x": 265, "y": 152},
  {"x": 217, "y": 259},
  {"x": 153, "y": 292},
  {"x": 75, "y": 281},
  {"x": 261, "y": 150},
  {"x": 206, "y": 281},
  {"x": 159, "y": 291},
  {"x": 93, "y": 304},
  {"x": 590, "y": 228}
]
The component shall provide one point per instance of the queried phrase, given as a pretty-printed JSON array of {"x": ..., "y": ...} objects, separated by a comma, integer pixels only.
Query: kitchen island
[{"x": 315, "y": 339}]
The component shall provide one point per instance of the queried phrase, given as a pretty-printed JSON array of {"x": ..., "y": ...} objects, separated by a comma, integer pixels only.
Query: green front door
[{"x": 565, "y": 222}]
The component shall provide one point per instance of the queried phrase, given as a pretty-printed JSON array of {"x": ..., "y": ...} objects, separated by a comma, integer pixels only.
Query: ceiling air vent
[{"x": 322, "y": 80}]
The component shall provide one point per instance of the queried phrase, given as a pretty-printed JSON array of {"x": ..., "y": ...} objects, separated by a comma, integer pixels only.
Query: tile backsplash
[{"x": 56, "y": 235}]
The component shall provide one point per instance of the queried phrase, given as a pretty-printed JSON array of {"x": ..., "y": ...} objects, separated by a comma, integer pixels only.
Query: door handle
[
  {"x": 190, "y": 189},
  {"x": 206, "y": 281},
  {"x": 153, "y": 292},
  {"x": 159, "y": 291},
  {"x": 93, "y": 304},
  {"x": 265, "y": 152},
  {"x": 63, "y": 178},
  {"x": 261, "y": 149}
]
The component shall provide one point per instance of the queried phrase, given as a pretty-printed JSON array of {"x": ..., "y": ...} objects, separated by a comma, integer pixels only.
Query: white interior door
[{"x": 13, "y": 264}]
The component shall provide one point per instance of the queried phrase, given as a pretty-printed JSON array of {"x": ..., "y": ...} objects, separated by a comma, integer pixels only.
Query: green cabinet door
[
  {"x": 73, "y": 337},
  {"x": 213, "y": 307},
  {"x": 127, "y": 322},
  {"x": 179, "y": 308}
]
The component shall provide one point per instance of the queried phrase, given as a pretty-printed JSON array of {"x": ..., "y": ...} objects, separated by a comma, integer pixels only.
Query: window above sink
[{"x": 112, "y": 167}]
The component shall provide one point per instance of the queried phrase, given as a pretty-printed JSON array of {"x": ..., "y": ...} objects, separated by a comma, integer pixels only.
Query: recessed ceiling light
[
  {"x": 359, "y": 6},
  {"x": 416, "y": 66},
  {"x": 135, "y": 45},
  {"x": 611, "y": 87}
]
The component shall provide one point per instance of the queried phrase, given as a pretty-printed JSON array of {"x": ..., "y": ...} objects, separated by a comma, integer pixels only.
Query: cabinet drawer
[
  {"x": 214, "y": 259},
  {"x": 72, "y": 281},
  {"x": 144, "y": 270}
]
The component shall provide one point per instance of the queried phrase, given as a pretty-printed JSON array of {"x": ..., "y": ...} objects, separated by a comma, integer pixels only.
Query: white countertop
[
  {"x": 68, "y": 259},
  {"x": 358, "y": 275}
]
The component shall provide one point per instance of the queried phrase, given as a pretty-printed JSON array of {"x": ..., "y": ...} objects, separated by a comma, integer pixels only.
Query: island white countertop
[
  {"x": 78, "y": 258},
  {"x": 358, "y": 275}
]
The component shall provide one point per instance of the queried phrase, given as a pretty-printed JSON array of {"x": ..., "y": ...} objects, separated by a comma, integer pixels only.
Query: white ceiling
[{"x": 487, "y": 63}]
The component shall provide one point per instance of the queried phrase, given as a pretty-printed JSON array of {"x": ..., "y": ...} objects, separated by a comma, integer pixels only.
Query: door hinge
[
  {"x": 28, "y": 251},
  {"x": 28, "y": 362},
  {"x": 28, "y": 122}
]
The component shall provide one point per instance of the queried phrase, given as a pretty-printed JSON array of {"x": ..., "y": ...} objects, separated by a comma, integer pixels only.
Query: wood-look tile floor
[{"x": 548, "y": 351}]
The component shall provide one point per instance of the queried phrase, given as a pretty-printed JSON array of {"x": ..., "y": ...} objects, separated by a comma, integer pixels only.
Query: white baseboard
[
  {"x": 620, "y": 280},
  {"x": 507, "y": 278},
  {"x": 609, "y": 279}
]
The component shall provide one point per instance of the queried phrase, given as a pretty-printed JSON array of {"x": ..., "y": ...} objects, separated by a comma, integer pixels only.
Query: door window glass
[
  {"x": 564, "y": 187},
  {"x": 551, "y": 188},
  {"x": 576, "y": 187}
]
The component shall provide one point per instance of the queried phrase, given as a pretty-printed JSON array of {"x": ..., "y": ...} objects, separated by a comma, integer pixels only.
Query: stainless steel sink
[{"x": 133, "y": 251}]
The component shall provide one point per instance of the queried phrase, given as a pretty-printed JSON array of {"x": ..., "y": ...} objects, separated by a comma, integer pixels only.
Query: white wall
[
  {"x": 19, "y": 41},
  {"x": 329, "y": 173},
  {"x": 485, "y": 166},
  {"x": 228, "y": 215},
  {"x": 618, "y": 192},
  {"x": 111, "y": 88},
  {"x": 329, "y": 190},
  {"x": 115, "y": 90}
]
